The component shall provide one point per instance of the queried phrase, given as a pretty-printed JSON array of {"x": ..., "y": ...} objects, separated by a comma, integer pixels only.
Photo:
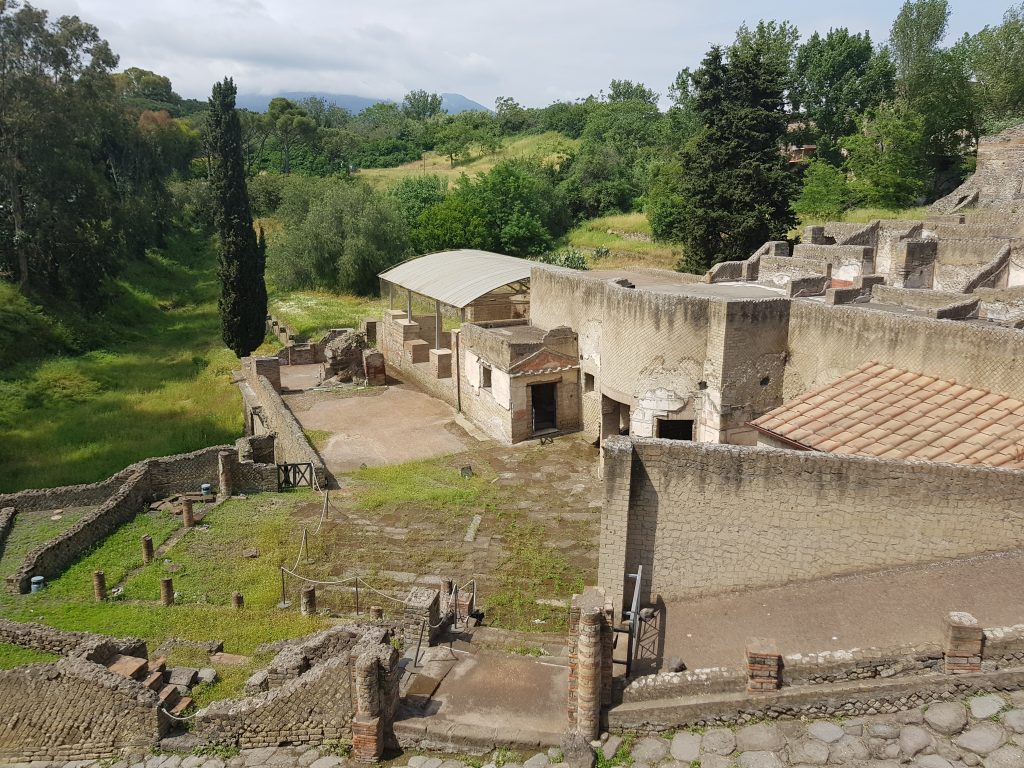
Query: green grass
[
  {"x": 31, "y": 529},
  {"x": 162, "y": 386},
  {"x": 551, "y": 146},
  {"x": 864, "y": 216},
  {"x": 207, "y": 567},
  {"x": 430, "y": 484},
  {"x": 606, "y": 233},
  {"x": 12, "y": 656},
  {"x": 311, "y": 313}
]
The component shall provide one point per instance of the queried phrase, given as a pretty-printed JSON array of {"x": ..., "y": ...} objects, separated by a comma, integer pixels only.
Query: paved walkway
[
  {"x": 896, "y": 607},
  {"x": 375, "y": 426},
  {"x": 986, "y": 731}
]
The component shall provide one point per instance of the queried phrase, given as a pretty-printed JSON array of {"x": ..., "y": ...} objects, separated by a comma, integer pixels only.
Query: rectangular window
[
  {"x": 485, "y": 376},
  {"x": 588, "y": 382},
  {"x": 675, "y": 429}
]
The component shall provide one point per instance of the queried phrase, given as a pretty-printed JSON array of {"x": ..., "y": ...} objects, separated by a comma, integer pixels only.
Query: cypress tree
[
  {"x": 731, "y": 190},
  {"x": 243, "y": 296}
]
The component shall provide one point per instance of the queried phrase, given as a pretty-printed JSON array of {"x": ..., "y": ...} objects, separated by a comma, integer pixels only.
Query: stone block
[
  {"x": 441, "y": 363},
  {"x": 417, "y": 351}
]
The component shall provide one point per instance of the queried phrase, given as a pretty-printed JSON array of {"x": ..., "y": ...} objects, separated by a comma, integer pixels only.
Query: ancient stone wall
[
  {"x": 998, "y": 182},
  {"x": 310, "y": 709},
  {"x": 408, "y": 347},
  {"x": 84, "y": 495},
  {"x": 86, "y": 645},
  {"x": 826, "y": 342},
  {"x": 291, "y": 446},
  {"x": 135, "y": 486},
  {"x": 705, "y": 518},
  {"x": 74, "y": 709}
]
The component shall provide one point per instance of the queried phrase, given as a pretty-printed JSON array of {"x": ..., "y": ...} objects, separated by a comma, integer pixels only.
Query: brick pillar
[
  {"x": 187, "y": 518},
  {"x": 423, "y": 604},
  {"x": 588, "y": 674},
  {"x": 237, "y": 601},
  {"x": 764, "y": 665},
  {"x": 307, "y": 603},
  {"x": 147, "y": 549},
  {"x": 224, "y": 462},
  {"x": 166, "y": 592},
  {"x": 963, "y": 642},
  {"x": 592, "y": 598},
  {"x": 367, "y": 726},
  {"x": 99, "y": 585}
]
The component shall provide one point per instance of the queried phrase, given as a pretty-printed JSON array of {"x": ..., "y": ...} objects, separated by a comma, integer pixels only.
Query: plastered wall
[{"x": 705, "y": 518}]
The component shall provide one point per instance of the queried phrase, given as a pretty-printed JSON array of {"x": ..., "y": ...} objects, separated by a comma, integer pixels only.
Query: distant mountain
[{"x": 453, "y": 103}]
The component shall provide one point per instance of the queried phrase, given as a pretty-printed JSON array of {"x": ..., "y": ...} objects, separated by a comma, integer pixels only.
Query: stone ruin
[
  {"x": 998, "y": 181},
  {"x": 344, "y": 357}
]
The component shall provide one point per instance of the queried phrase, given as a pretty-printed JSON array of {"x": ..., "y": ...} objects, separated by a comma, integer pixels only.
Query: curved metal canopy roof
[{"x": 458, "y": 278}]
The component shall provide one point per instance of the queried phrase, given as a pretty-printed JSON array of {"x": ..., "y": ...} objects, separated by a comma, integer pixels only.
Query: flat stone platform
[{"x": 902, "y": 606}]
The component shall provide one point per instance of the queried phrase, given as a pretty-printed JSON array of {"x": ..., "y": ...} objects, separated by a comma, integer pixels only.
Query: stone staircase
[{"x": 172, "y": 686}]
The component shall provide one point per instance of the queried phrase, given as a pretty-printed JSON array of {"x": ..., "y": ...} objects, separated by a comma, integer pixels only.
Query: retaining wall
[
  {"x": 85, "y": 645},
  {"x": 705, "y": 518},
  {"x": 74, "y": 709}
]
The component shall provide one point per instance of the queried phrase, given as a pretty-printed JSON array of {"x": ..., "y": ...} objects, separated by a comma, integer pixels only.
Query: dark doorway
[
  {"x": 675, "y": 429},
  {"x": 544, "y": 415}
]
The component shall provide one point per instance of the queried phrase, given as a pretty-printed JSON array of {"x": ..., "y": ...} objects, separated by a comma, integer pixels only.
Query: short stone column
[
  {"x": 99, "y": 585},
  {"x": 588, "y": 674},
  {"x": 307, "y": 601},
  {"x": 376, "y": 613},
  {"x": 187, "y": 518},
  {"x": 963, "y": 641},
  {"x": 166, "y": 592},
  {"x": 147, "y": 549},
  {"x": 592, "y": 598},
  {"x": 764, "y": 665},
  {"x": 225, "y": 461},
  {"x": 237, "y": 601}
]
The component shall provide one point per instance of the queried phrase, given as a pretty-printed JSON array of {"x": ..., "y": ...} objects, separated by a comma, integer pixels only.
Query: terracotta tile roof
[
  {"x": 891, "y": 413},
  {"x": 542, "y": 361}
]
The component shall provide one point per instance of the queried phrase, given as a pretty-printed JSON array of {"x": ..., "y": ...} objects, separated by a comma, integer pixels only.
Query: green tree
[
  {"x": 290, "y": 125},
  {"x": 512, "y": 118},
  {"x": 421, "y": 105},
  {"x": 837, "y": 78},
  {"x": 887, "y": 161},
  {"x": 626, "y": 90},
  {"x": 995, "y": 56},
  {"x": 57, "y": 108},
  {"x": 825, "y": 193},
  {"x": 242, "y": 304},
  {"x": 415, "y": 194},
  {"x": 935, "y": 83},
  {"x": 454, "y": 139},
  {"x": 729, "y": 191}
]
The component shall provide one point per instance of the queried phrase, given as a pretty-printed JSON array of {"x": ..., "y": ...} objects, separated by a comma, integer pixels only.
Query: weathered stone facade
[{"x": 706, "y": 518}]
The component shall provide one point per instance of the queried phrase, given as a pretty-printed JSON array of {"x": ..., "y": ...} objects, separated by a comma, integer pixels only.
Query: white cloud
[{"x": 534, "y": 50}]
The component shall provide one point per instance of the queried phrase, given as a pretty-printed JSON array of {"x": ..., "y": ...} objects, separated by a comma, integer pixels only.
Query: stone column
[
  {"x": 588, "y": 674},
  {"x": 376, "y": 613},
  {"x": 307, "y": 602},
  {"x": 963, "y": 642},
  {"x": 224, "y": 473},
  {"x": 99, "y": 585},
  {"x": 166, "y": 592},
  {"x": 187, "y": 519},
  {"x": 764, "y": 665},
  {"x": 237, "y": 601},
  {"x": 147, "y": 549}
]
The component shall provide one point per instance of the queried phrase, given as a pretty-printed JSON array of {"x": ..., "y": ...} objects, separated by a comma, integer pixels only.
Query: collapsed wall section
[{"x": 703, "y": 518}]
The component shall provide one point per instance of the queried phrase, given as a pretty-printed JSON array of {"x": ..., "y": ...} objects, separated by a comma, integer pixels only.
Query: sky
[{"x": 536, "y": 51}]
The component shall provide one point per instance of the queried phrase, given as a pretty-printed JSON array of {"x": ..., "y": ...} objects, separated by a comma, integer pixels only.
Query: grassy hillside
[
  {"x": 159, "y": 385},
  {"x": 551, "y": 145}
]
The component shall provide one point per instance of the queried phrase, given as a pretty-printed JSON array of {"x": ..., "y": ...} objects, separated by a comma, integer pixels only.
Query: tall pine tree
[
  {"x": 730, "y": 190},
  {"x": 243, "y": 293}
]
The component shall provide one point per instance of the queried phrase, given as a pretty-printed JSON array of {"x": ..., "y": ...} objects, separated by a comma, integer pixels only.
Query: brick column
[
  {"x": 187, "y": 517},
  {"x": 225, "y": 460},
  {"x": 588, "y": 674},
  {"x": 423, "y": 604},
  {"x": 963, "y": 642},
  {"x": 367, "y": 726},
  {"x": 764, "y": 665},
  {"x": 595, "y": 599}
]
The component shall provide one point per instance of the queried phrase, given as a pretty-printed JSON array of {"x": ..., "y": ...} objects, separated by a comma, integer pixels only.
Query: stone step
[
  {"x": 155, "y": 681},
  {"x": 181, "y": 706},
  {"x": 159, "y": 664},
  {"x": 169, "y": 695},
  {"x": 129, "y": 666},
  {"x": 185, "y": 676}
]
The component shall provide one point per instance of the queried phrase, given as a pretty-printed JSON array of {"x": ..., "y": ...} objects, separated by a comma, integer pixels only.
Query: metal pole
[
  {"x": 283, "y": 601},
  {"x": 357, "y": 597},
  {"x": 391, "y": 295},
  {"x": 437, "y": 324},
  {"x": 408, "y": 305}
]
